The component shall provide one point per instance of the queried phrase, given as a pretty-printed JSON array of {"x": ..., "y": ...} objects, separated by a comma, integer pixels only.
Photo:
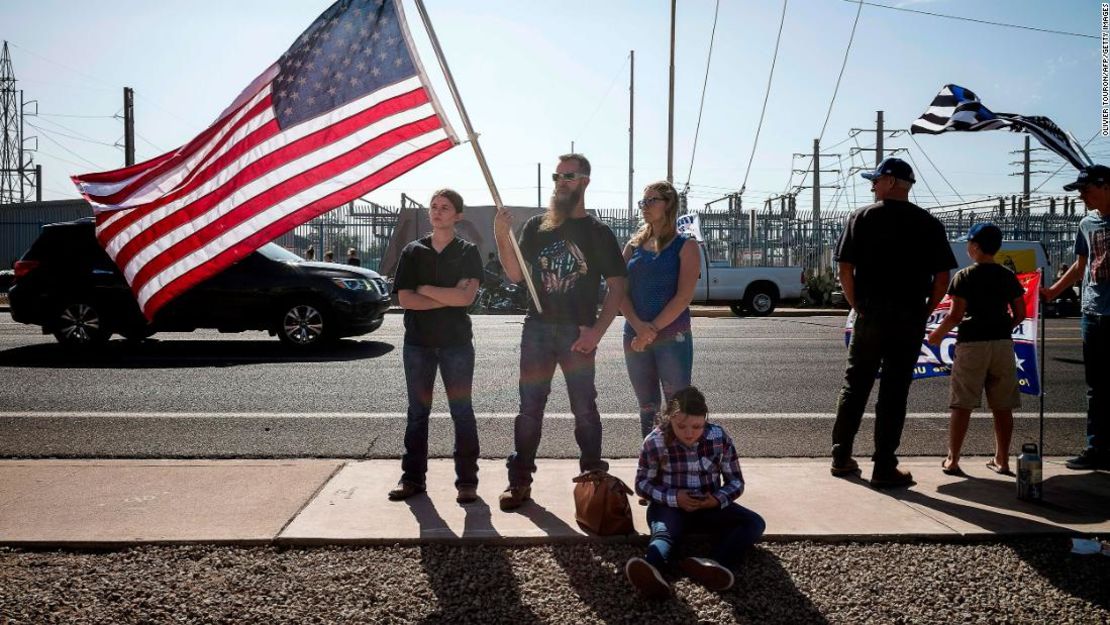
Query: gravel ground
[{"x": 1022, "y": 581}]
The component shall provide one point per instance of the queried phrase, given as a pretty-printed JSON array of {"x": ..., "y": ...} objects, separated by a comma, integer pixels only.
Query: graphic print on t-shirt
[
  {"x": 561, "y": 264},
  {"x": 1100, "y": 256}
]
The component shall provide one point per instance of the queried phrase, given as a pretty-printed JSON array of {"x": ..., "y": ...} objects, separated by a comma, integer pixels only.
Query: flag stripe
[
  {"x": 348, "y": 101},
  {"x": 203, "y": 185},
  {"x": 189, "y": 274},
  {"x": 97, "y": 190},
  {"x": 170, "y": 176},
  {"x": 957, "y": 109},
  {"x": 176, "y": 244},
  {"x": 260, "y": 174},
  {"x": 203, "y": 181}
]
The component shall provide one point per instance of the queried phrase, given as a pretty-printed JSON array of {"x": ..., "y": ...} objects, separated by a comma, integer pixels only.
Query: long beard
[
  {"x": 565, "y": 203},
  {"x": 559, "y": 208}
]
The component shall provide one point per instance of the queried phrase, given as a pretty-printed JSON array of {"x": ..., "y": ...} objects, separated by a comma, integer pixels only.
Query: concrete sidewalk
[{"x": 113, "y": 503}]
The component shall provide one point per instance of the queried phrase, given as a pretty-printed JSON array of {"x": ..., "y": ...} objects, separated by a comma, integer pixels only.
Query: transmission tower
[{"x": 20, "y": 179}]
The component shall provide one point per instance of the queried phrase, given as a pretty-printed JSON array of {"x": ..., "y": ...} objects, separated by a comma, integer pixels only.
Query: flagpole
[
  {"x": 1041, "y": 354},
  {"x": 473, "y": 137}
]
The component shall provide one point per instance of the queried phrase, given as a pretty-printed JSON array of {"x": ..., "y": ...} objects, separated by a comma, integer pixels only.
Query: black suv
[{"x": 67, "y": 284}]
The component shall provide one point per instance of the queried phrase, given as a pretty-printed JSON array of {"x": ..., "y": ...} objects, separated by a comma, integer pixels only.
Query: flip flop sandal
[
  {"x": 957, "y": 471},
  {"x": 993, "y": 466}
]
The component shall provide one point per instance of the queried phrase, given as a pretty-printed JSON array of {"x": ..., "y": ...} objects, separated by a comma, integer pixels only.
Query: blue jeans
[
  {"x": 542, "y": 346},
  {"x": 1095, "y": 330},
  {"x": 736, "y": 528},
  {"x": 666, "y": 363},
  {"x": 888, "y": 339},
  {"x": 456, "y": 365}
]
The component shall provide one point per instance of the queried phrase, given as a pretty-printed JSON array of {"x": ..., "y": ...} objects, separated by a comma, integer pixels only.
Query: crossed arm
[{"x": 427, "y": 297}]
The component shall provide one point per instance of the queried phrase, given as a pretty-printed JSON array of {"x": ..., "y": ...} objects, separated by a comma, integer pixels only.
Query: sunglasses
[
  {"x": 648, "y": 201},
  {"x": 570, "y": 175}
]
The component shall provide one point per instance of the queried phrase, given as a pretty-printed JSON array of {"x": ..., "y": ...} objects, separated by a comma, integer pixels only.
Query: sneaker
[
  {"x": 891, "y": 478},
  {"x": 844, "y": 468},
  {"x": 405, "y": 490},
  {"x": 646, "y": 578},
  {"x": 467, "y": 494},
  {"x": 514, "y": 497},
  {"x": 1090, "y": 460},
  {"x": 708, "y": 573}
]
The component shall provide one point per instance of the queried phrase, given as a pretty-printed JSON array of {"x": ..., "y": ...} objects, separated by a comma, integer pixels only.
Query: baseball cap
[
  {"x": 1093, "y": 174},
  {"x": 896, "y": 167},
  {"x": 987, "y": 235}
]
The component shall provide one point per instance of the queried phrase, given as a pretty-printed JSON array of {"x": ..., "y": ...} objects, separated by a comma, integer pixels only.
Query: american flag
[
  {"x": 345, "y": 110},
  {"x": 959, "y": 109}
]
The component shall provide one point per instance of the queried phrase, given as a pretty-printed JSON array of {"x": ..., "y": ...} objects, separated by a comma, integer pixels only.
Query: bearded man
[{"x": 568, "y": 252}]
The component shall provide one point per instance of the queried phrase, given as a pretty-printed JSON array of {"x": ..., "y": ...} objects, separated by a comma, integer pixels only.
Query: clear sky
[{"x": 537, "y": 75}]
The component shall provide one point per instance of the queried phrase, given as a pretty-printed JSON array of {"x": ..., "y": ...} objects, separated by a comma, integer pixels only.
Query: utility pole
[
  {"x": 670, "y": 106},
  {"x": 16, "y": 161},
  {"x": 818, "y": 234},
  {"x": 1026, "y": 167},
  {"x": 631, "y": 101},
  {"x": 880, "y": 134},
  {"x": 539, "y": 187},
  {"x": 128, "y": 126}
]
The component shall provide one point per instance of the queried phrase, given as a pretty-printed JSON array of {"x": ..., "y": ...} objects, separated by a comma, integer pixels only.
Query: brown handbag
[{"x": 601, "y": 504}]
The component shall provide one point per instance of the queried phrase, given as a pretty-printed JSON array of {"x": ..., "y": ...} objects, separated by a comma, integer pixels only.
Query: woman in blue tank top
[{"x": 663, "y": 269}]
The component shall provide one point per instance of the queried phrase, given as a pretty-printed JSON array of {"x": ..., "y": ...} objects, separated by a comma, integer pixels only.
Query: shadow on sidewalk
[
  {"x": 985, "y": 519},
  {"x": 1074, "y": 498},
  {"x": 156, "y": 354},
  {"x": 432, "y": 525}
]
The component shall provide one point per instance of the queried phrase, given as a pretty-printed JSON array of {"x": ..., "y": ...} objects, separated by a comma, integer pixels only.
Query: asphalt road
[{"x": 203, "y": 393}]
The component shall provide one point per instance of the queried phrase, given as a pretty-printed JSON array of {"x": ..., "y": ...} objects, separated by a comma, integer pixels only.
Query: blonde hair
[{"x": 668, "y": 232}]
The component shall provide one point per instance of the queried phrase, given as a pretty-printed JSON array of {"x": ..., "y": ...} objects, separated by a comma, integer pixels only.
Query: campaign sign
[{"x": 934, "y": 361}]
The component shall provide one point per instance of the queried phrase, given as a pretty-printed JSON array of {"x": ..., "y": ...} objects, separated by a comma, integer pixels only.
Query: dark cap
[
  {"x": 896, "y": 167},
  {"x": 1093, "y": 174},
  {"x": 987, "y": 235}
]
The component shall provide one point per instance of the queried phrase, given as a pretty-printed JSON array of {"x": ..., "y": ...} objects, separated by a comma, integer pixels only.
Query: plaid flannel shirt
[{"x": 663, "y": 470}]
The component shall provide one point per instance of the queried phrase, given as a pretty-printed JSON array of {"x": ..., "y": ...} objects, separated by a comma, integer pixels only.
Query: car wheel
[
  {"x": 80, "y": 324},
  {"x": 737, "y": 309},
  {"x": 760, "y": 302},
  {"x": 302, "y": 325}
]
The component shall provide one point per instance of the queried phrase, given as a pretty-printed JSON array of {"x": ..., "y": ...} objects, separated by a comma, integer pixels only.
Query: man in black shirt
[
  {"x": 894, "y": 260},
  {"x": 568, "y": 252},
  {"x": 437, "y": 277}
]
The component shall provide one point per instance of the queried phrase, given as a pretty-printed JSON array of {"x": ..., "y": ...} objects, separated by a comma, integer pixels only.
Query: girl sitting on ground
[{"x": 690, "y": 474}]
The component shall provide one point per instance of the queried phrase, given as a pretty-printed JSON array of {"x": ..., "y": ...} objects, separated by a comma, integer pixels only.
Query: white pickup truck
[{"x": 747, "y": 290}]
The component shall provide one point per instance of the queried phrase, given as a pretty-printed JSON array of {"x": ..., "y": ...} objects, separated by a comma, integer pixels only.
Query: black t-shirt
[
  {"x": 567, "y": 264},
  {"x": 420, "y": 264},
  {"x": 896, "y": 247},
  {"x": 988, "y": 289}
]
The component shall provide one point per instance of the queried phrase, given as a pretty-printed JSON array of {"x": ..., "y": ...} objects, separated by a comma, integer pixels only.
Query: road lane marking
[{"x": 496, "y": 415}]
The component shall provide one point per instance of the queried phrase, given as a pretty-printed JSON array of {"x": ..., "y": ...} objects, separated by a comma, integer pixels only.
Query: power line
[
  {"x": 77, "y": 116},
  {"x": 971, "y": 19},
  {"x": 704, "y": 86},
  {"x": 766, "y": 97},
  {"x": 69, "y": 136},
  {"x": 923, "y": 153},
  {"x": 70, "y": 130},
  {"x": 828, "y": 113},
  {"x": 1053, "y": 175},
  {"x": 919, "y": 175},
  {"x": 620, "y": 70},
  {"x": 71, "y": 152}
]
